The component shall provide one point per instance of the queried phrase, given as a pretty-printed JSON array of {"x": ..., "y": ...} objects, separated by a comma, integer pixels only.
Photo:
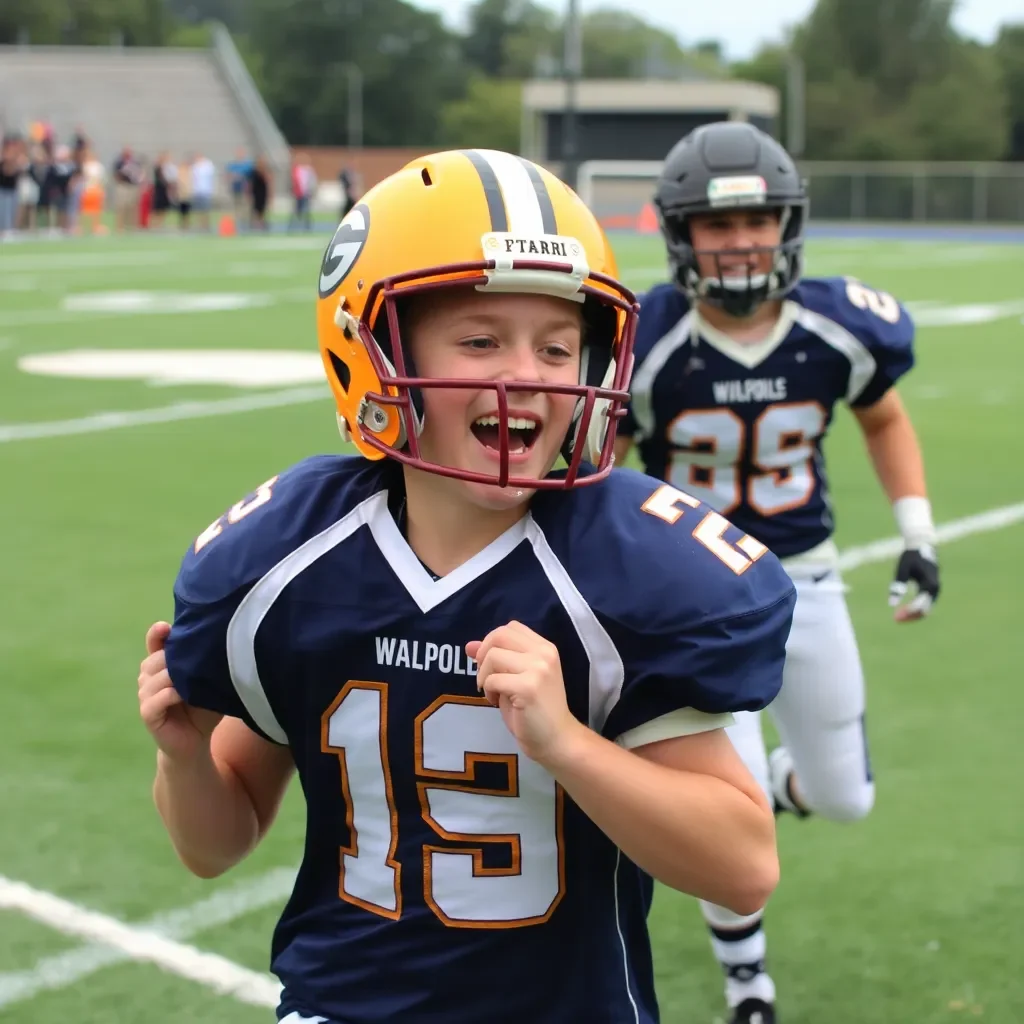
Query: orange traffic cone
[
  {"x": 227, "y": 228},
  {"x": 647, "y": 222}
]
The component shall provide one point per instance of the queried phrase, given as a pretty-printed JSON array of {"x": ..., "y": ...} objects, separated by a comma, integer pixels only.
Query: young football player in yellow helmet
[{"x": 501, "y": 674}]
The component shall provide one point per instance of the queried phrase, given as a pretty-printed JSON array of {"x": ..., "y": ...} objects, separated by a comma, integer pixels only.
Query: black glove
[{"x": 919, "y": 566}]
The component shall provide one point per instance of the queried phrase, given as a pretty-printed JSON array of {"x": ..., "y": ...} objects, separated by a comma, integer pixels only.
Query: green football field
[{"x": 115, "y": 453}]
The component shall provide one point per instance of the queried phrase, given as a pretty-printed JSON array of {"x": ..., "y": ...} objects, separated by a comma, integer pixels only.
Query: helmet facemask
[
  {"x": 609, "y": 313},
  {"x": 738, "y": 295}
]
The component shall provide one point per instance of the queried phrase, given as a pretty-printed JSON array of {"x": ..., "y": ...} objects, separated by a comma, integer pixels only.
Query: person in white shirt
[{"x": 204, "y": 180}]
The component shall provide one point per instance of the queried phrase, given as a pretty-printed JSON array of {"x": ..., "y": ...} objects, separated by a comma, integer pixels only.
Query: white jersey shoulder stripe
[
  {"x": 643, "y": 379},
  {"x": 862, "y": 362},
  {"x": 244, "y": 624}
]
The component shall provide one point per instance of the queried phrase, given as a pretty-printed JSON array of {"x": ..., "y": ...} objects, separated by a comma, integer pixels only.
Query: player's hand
[
  {"x": 182, "y": 732},
  {"x": 920, "y": 567},
  {"x": 521, "y": 674}
]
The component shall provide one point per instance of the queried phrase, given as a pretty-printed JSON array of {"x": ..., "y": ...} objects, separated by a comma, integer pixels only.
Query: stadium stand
[{"x": 185, "y": 100}]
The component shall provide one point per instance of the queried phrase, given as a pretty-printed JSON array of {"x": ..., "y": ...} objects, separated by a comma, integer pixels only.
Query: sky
[{"x": 742, "y": 25}]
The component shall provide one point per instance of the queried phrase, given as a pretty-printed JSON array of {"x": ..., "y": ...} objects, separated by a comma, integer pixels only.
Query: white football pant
[{"x": 819, "y": 714}]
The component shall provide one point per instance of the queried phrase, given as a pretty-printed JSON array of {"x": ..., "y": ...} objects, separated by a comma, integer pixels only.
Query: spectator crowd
[{"x": 62, "y": 187}]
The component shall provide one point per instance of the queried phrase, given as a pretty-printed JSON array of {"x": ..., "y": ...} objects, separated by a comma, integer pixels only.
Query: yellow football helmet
[{"x": 473, "y": 219}]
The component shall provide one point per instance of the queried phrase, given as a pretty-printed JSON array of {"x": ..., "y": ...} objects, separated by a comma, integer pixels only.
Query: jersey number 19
[{"x": 524, "y": 816}]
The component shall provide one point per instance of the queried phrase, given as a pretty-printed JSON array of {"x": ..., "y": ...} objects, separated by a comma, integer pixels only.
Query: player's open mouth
[
  {"x": 745, "y": 268},
  {"x": 523, "y": 431}
]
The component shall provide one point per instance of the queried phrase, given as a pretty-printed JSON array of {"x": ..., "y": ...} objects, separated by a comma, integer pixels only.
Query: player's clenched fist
[
  {"x": 181, "y": 731},
  {"x": 520, "y": 673}
]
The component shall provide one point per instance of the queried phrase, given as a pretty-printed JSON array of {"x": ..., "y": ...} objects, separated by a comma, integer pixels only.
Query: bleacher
[{"x": 181, "y": 100}]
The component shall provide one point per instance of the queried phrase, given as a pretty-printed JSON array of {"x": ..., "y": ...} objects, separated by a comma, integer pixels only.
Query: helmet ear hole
[{"x": 341, "y": 370}]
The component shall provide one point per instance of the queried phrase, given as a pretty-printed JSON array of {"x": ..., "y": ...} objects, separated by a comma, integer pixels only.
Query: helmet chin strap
[
  {"x": 597, "y": 429},
  {"x": 599, "y": 423}
]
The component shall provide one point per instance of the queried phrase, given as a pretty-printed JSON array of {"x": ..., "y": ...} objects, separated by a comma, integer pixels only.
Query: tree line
[{"x": 885, "y": 79}]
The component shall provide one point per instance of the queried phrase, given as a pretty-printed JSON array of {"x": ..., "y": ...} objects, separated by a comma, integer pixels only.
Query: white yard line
[
  {"x": 223, "y": 907},
  {"x": 209, "y": 969},
  {"x": 155, "y": 941},
  {"x": 983, "y": 522},
  {"x": 51, "y": 262},
  {"x": 53, "y": 317},
  {"x": 160, "y": 414}
]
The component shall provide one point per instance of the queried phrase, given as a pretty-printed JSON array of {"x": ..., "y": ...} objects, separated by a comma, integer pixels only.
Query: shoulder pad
[
  {"x": 657, "y": 560},
  {"x": 873, "y": 330},
  {"x": 874, "y": 316},
  {"x": 253, "y": 535}
]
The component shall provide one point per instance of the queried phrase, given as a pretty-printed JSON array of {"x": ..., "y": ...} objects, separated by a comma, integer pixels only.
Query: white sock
[{"x": 741, "y": 954}]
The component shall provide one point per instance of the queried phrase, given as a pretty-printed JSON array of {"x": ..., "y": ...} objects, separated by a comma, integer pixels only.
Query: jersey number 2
[
  {"x": 781, "y": 448},
  {"x": 524, "y": 816}
]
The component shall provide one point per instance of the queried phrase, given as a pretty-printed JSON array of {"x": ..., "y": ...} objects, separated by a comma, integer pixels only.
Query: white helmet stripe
[{"x": 517, "y": 189}]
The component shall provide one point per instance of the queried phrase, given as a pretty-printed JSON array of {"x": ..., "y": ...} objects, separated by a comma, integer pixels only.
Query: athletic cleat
[{"x": 753, "y": 1011}]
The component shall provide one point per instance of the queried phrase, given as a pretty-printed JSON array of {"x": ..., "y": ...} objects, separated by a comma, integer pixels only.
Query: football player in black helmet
[
  {"x": 712, "y": 173},
  {"x": 739, "y": 364}
]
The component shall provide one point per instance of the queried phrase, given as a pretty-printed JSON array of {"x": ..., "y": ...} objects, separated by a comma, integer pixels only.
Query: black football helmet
[{"x": 729, "y": 165}]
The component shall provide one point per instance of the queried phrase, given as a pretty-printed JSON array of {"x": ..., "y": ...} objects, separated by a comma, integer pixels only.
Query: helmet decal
[
  {"x": 344, "y": 249},
  {"x": 518, "y": 200}
]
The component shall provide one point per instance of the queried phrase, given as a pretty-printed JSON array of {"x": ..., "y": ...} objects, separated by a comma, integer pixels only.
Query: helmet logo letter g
[{"x": 344, "y": 250}]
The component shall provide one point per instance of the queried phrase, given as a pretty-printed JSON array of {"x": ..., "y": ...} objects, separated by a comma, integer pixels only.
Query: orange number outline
[
  {"x": 709, "y": 531},
  {"x": 236, "y": 513},
  {"x": 777, "y": 472},
  {"x": 352, "y": 849},
  {"x": 453, "y": 780},
  {"x": 683, "y": 456}
]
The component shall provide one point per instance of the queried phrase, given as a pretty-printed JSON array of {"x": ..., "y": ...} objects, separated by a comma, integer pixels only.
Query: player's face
[
  {"x": 742, "y": 240},
  {"x": 495, "y": 337}
]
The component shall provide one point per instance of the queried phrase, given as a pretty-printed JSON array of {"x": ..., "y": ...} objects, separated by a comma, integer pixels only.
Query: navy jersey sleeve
[
  {"x": 883, "y": 328},
  {"x": 699, "y": 612},
  {"x": 694, "y": 677},
  {"x": 196, "y": 649},
  {"x": 218, "y": 571}
]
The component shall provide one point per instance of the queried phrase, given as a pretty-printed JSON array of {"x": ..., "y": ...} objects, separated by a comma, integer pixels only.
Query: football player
[
  {"x": 739, "y": 365},
  {"x": 503, "y": 685}
]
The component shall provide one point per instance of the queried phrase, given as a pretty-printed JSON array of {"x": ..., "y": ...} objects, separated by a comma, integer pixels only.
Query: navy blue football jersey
[
  {"x": 447, "y": 879},
  {"x": 740, "y": 426}
]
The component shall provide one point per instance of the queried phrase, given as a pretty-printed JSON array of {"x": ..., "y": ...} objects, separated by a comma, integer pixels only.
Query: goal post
[{"x": 617, "y": 191}]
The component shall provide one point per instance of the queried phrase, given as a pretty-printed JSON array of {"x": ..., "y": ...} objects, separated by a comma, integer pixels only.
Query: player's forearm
[
  {"x": 696, "y": 833},
  {"x": 208, "y": 814},
  {"x": 896, "y": 455}
]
